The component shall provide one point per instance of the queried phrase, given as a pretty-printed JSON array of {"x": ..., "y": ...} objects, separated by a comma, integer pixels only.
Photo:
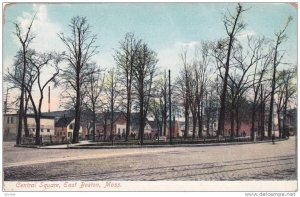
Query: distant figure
[{"x": 273, "y": 139}]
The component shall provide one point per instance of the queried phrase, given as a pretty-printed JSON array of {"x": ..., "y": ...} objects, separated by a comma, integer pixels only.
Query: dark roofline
[
  {"x": 30, "y": 115},
  {"x": 64, "y": 121}
]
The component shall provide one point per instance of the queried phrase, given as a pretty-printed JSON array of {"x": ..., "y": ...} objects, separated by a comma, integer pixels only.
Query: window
[
  {"x": 71, "y": 126},
  {"x": 124, "y": 130},
  {"x": 42, "y": 130},
  {"x": 7, "y": 120},
  {"x": 119, "y": 130},
  {"x": 12, "y": 120},
  {"x": 48, "y": 130}
]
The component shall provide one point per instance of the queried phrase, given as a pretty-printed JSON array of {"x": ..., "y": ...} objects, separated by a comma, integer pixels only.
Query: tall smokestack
[{"x": 49, "y": 99}]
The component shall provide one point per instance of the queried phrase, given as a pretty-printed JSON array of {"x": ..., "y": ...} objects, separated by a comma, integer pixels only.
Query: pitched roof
[
  {"x": 64, "y": 121},
  {"x": 59, "y": 114},
  {"x": 31, "y": 115},
  {"x": 100, "y": 117},
  {"x": 153, "y": 125}
]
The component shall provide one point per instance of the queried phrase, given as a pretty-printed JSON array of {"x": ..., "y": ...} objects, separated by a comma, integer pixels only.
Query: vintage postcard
[{"x": 136, "y": 96}]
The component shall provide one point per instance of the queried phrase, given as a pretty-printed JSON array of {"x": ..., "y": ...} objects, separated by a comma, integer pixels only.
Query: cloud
[
  {"x": 169, "y": 58},
  {"x": 243, "y": 35},
  {"x": 187, "y": 45},
  {"x": 43, "y": 28},
  {"x": 7, "y": 62}
]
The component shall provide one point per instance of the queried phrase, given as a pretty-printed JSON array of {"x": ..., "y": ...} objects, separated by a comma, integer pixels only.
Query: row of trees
[
  {"x": 246, "y": 75},
  {"x": 223, "y": 80}
]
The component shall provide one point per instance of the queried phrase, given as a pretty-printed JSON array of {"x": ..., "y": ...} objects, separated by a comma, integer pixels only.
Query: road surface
[{"x": 261, "y": 161}]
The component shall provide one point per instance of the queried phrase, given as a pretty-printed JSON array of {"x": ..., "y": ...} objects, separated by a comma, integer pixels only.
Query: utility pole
[
  {"x": 48, "y": 98},
  {"x": 170, "y": 115}
]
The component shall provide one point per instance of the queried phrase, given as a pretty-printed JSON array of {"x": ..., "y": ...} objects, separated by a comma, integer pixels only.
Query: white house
[{"x": 10, "y": 126}]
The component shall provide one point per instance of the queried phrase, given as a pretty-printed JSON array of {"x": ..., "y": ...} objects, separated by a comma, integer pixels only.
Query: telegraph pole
[
  {"x": 170, "y": 115},
  {"x": 48, "y": 98}
]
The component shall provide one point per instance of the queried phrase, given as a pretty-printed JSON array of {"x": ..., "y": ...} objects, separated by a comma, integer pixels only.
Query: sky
[{"x": 166, "y": 27}]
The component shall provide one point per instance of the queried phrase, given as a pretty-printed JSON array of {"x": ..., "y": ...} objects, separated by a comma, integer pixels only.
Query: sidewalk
[{"x": 79, "y": 145}]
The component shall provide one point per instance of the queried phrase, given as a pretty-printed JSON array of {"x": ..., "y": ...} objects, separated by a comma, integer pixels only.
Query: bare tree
[
  {"x": 240, "y": 80},
  {"x": 144, "y": 72},
  {"x": 25, "y": 39},
  {"x": 126, "y": 59},
  {"x": 93, "y": 90},
  {"x": 286, "y": 89},
  {"x": 159, "y": 103},
  {"x": 81, "y": 48},
  {"x": 233, "y": 25},
  {"x": 277, "y": 57},
  {"x": 194, "y": 98},
  {"x": 110, "y": 87},
  {"x": 260, "y": 71},
  {"x": 183, "y": 89},
  {"x": 164, "y": 102},
  {"x": 39, "y": 63},
  {"x": 201, "y": 76},
  {"x": 14, "y": 77},
  {"x": 155, "y": 109}
]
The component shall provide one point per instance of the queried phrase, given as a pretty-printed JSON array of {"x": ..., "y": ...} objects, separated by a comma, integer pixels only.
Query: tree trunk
[
  {"x": 94, "y": 122},
  {"x": 186, "y": 115},
  {"x": 105, "y": 125},
  {"x": 279, "y": 123},
  {"x": 232, "y": 119},
  {"x": 21, "y": 108},
  {"x": 199, "y": 119},
  {"x": 270, "y": 122},
  {"x": 263, "y": 120},
  {"x": 38, "y": 130},
  {"x": 25, "y": 116},
  {"x": 237, "y": 122},
  {"x": 194, "y": 124},
  {"x": 128, "y": 107},
  {"x": 165, "y": 114},
  {"x": 207, "y": 123},
  {"x": 112, "y": 125},
  {"x": 253, "y": 121},
  {"x": 77, "y": 111},
  {"x": 285, "y": 129},
  {"x": 128, "y": 118},
  {"x": 142, "y": 121}
]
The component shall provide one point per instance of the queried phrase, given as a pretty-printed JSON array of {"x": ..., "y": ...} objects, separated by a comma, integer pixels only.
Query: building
[
  {"x": 135, "y": 125},
  {"x": 64, "y": 128},
  {"x": 10, "y": 126},
  {"x": 104, "y": 124}
]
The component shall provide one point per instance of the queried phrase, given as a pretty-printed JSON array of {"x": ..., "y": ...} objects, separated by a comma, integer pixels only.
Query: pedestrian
[{"x": 273, "y": 139}]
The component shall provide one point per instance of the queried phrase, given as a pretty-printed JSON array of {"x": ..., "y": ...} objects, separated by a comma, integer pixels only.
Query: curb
[{"x": 152, "y": 146}]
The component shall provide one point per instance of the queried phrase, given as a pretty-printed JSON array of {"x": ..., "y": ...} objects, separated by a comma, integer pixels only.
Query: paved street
[{"x": 238, "y": 162}]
